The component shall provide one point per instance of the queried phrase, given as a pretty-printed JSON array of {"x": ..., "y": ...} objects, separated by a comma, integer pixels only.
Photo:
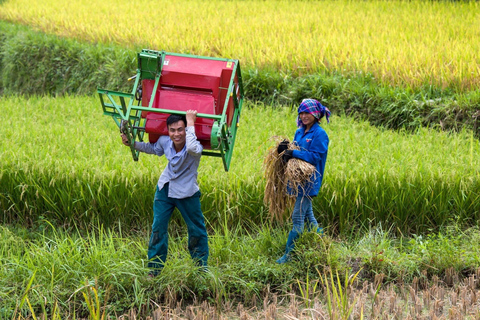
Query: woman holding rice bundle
[{"x": 313, "y": 143}]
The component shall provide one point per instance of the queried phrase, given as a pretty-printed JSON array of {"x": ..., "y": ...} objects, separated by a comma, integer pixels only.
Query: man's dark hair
[{"x": 175, "y": 118}]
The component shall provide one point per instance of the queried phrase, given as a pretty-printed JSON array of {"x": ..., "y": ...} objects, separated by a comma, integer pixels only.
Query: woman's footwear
[{"x": 292, "y": 236}]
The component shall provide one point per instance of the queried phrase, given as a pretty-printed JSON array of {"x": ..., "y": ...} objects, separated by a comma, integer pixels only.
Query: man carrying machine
[
  {"x": 189, "y": 106},
  {"x": 177, "y": 188}
]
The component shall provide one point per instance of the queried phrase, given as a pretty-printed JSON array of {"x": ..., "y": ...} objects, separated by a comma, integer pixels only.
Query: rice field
[
  {"x": 399, "y": 208},
  {"x": 404, "y": 43},
  {"x": 61, "y": 159}
]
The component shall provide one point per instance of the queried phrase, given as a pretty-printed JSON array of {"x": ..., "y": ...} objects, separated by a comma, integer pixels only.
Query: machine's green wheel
[{"x": 216, "y": 135}]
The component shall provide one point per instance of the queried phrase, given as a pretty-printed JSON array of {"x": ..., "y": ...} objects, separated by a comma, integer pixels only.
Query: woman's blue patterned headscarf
[{"x": 313, "y": 107}]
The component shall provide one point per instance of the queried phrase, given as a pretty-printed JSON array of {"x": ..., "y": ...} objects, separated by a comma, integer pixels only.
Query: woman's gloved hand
[
  {"x": 283, "y": 146},
  {"x": 287, "y": 155}
]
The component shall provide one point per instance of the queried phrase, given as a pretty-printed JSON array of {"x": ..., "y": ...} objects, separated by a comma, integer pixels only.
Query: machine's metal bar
[
  {"x": 131, "y": 140},
  {"x": 224, "y": 143},
  {"x": 224, "y": 133},
  {"x": 124, "y": 107},
  {"x": 154, "y": 92},
  {"x": 118, "y": 116},
  {"x": 136, "y": 129},
  {"x": 233, "y": 133},
  {"x": 238, "y": 103},
  {"x": 116, "y": 121},
  {"x": 121, "y": 111},
  {"x": 103, "y": 103},
  {"x": 157, "y": 110},
  {"x": 228, "y": 141},
  {"x": 195, "y": 56},
  {"x": 132, "y": 132},
  {"x": 232, "y": 84},
  {"x": 212, "y": 154},
  {"x": 226, "y": 164},
  {"x": 230, "y": 90},
  {"x": 116, "y": 93},
  {"x": 240, "y": 81},
  {"x": 137, "y": 81}
]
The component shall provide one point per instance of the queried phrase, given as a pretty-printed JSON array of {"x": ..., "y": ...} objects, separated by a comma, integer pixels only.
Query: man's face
[{"x": 176, "y": 131}]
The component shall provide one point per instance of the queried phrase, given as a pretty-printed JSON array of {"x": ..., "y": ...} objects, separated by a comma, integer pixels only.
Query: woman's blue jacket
[{"x": 313, "y": 149}]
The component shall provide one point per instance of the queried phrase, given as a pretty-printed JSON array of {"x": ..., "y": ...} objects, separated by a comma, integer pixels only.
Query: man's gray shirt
[{"x": 182, "y": 169}]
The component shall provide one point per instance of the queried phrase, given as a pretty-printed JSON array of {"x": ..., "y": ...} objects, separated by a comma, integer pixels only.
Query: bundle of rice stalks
[{"x": 279, "y": 175}]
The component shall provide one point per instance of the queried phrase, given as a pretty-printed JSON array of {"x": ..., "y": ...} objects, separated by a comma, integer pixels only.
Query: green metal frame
[{"x": 121, "y": 106}]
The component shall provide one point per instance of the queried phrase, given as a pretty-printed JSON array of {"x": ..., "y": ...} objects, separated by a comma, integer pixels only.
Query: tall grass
[
  {"x": 69, "y": 274},
  {"x": 404, "y": 43},
  {"x": 34, "y": 63},
  {"x": 62, "y": 160}
]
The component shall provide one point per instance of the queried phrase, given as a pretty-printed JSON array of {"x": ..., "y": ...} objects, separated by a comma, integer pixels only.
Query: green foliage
[
  {"x": 308, "y": 290},
  {"x": 445, "y": 249},
  {"x": 62, "y": 160},
  {"x": 104, "y": 272},
  {"x": 92, "y": 299},
  {"x": 265, "y": 85},
  {"x": 382, "y": 254},
  {"x": 340, "y": 305},
  {"x": 314, "y": 251},
  {"x": 35, "y": 63}
]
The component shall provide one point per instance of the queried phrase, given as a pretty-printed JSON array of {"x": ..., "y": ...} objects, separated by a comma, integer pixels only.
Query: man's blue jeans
[{"x": 191, "y": 211}]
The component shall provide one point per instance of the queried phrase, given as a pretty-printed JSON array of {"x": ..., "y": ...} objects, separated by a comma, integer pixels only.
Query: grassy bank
[
  {"x": 35, "y": 63},
  {"x": 58, "y": 270},
  {"x": 61, "y": 159}
]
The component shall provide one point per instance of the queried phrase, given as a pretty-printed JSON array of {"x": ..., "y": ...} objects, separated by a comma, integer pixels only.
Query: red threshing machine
[{"x": 169, "y": 83}]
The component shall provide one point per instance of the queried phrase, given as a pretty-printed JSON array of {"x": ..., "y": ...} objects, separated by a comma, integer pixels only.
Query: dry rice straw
[{"x": 279, "y": 175}]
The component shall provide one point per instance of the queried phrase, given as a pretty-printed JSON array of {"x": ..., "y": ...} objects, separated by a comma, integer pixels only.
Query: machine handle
[{"x": 181, "y": 113}]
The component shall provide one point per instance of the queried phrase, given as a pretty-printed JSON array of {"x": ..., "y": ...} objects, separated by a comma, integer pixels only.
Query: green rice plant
[
  {"x": 308, "y": 289},
  {"x": 316, "y": 251},
  {"x": 437, "y": 252},
  {"x": 62, "y": 160},
  {"x": 374, "y": 246},
  {"x": 63, "y": 261},
  {"x": 90, "y": 294},
  {"x": 338, "y": 294},
  {"x": 25, "y": 296},
  {"x": 55, "y": 312}
]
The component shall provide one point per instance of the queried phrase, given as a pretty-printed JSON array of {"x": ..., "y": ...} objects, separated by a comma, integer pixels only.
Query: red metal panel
[
  {"x": 180, "y": 101},
  {"x": 192, "y": 73},
  {"x": 189, "y": 83}
]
